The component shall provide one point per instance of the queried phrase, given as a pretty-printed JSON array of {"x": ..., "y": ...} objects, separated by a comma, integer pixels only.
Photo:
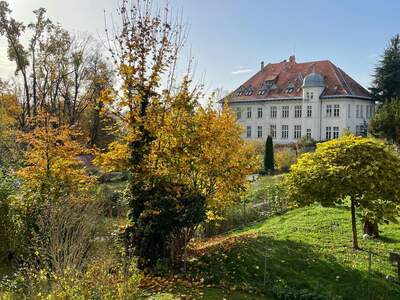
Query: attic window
[
  {"x": 249, "y": 91},
  {"x": 240, "y": 92},
  {"x": 289, "y": 90},
  {"x": 262, "y": 92}
]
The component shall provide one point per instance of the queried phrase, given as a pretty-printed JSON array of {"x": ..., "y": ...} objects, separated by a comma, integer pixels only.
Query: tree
[
  {"x": 166, "y": 140},
  {"x": 386, "y": 84},
  {"x": 51, "y": 161},
  {"x": 363, "y": 171},
  {"x": 59, "y": 72},
  {"x": 9, "y": 111},
  {"x": 269, "y": 164},
  {"x": 386, "y": 122}
]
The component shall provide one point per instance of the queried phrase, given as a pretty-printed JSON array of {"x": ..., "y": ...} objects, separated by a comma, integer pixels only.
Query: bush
[
  {"x": 104, "y": 278},
  {"x": 284, "y": 159},
  {"x": 9, "y": 234},
  {"x": 164, "y": 216},
  {"x": 64, "y": 235}
]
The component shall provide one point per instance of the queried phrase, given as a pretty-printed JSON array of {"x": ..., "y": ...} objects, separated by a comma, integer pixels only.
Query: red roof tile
[{"x": 285, "y": 79}]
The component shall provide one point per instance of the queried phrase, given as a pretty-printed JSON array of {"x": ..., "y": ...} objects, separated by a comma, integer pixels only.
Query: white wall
[{"x": 317, "y": 123}]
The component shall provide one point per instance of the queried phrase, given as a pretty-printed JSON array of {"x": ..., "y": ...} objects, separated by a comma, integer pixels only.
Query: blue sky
[{"x": 229, "y": 38}]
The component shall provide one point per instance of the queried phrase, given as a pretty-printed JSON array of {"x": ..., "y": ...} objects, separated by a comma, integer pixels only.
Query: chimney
[
  {"x": 262, "y": 65},
  {"x": 292, "y": 59}
]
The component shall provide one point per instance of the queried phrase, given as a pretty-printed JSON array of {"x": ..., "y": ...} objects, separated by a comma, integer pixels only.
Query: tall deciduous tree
[
  {"x": 176, "y": 151},
  {"x": 59, "y": 72},
  {"x": 269, "y": 163},
  {"x": 363, "y": 170},
  {"x": 386, "y": 84}
]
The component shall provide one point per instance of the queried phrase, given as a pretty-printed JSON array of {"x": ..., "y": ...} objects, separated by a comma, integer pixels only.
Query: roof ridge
[
  {"x": 334, "y": 70},
  {"x": 345, "y": 82}
]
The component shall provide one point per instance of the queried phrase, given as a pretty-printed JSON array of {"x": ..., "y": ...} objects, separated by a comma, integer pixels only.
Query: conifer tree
[
  {"x": 386, "y": 84},
  {"x": 269, "y": 156}
]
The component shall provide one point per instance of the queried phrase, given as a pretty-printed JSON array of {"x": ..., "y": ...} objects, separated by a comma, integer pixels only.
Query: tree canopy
[
  {"x": 364, "y": 170},
  {"x": 386, "y": 83}
]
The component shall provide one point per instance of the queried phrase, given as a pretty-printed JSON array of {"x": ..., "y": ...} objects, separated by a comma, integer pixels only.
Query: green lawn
[{"x": 306, "y": 252}]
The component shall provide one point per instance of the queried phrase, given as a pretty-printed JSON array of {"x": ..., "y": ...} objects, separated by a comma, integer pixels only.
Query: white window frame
[
  {"x": 272, "y": 130},
  {"x": 308, "y": 133},
  {"x": 328, "y": 133},
  {"x": 274, "y": 112},
  {"x": 259, "y": 132},
  {"x": 238, "y": 113},
  {"x": 249, "y": 113},
  {"x": 335, "y": 132},
  {"x": 259, "y": 112},
  {"x": 297, "y": 131},
  {"x": 297, "y": 111},
  {"x": 336, "y": 110},
  {"x": 329, "y": 110},
  {"x": 285, "y": 111},
  {"x": 285, "y": 132},
  {"x": 309, "y": 111},
  {"x": 248, "y": 131}
]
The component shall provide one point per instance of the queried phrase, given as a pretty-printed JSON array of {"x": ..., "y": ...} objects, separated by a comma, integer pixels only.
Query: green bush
[
  {"x": 8, "y": 221},
  {"x": 163, "y": 216}
]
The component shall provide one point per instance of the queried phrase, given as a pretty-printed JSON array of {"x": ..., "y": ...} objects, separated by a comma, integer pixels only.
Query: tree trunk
[
  {"x": 371, "y": 229},
  {"x": 353, "y": 225}
]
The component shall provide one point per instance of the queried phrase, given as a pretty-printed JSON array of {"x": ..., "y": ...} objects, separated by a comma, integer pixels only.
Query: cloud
[{"x": 241, "y": 71}]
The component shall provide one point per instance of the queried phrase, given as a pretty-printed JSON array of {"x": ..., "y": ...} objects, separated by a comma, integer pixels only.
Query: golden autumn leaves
[{"x": 194, "y": 145}]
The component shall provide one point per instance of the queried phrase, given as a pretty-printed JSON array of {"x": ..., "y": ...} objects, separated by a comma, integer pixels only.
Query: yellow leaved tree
[{"x": 51, "y": 161}]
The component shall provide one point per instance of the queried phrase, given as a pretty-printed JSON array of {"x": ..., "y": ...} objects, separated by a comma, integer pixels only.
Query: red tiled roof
[{"x": 291, "y": 74}]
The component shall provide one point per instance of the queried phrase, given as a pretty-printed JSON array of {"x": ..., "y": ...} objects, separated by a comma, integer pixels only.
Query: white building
[{"x": 290, "y": 100}]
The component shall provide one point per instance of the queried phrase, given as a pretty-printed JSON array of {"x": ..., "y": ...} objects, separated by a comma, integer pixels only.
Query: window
[
  {"x": 311, "y": 95},
  {"x": 273, "y": 112},
  {"x": 259, "y": 112},
  {"x": 297, "y": 131},
  {"x": 309, "y": 111},
  {"x": 238, "y": 113},
  {"x": 249, "y": 113},
  {"x": 273, "y": 131},
  {"x": 360, "y": 130},
  {"x": 248, "y": 131},
  {"x": 361, "y": 111},
  {"x": 336, "y": 110},
  {"x": 308, "y": 134},
  {"x": 297, "y": 111},
  {"x": 308, "y": 95},
  {"x": 328, "y": 133},
  {"x": 329, "y": 110},
  {"x": 259, "y": 131},
  {"x": 349, "y": 110},
  {"x": 335, "y": 132},
  {"x": 285, "y": 132},
  {"x": 358, "y": 111},
  {"x": 249, "y": 91},
  {"x": 285, "y": 111}
]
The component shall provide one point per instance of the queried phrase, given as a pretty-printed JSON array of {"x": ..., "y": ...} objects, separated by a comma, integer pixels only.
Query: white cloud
[{"x": 241, "y": 71}]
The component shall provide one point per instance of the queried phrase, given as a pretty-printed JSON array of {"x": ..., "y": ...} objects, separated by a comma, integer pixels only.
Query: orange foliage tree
[{"x": 51, "y": 161}]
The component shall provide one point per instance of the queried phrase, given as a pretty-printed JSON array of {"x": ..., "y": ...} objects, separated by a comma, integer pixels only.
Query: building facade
[{"x": 290, "y": 100}]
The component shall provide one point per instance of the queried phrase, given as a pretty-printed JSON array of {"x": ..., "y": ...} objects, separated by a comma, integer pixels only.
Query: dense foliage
[
  {"x": 386, "y": 84},
  {"x": 363, "y": 170},
  {"x": 269, "y": 163},
  {"x": 386, "y": 122}
]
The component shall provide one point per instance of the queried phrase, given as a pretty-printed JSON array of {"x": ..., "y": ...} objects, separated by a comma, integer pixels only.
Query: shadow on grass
[
  {"x": 387, "y": 239},
  {"x": 293, "y": 270}
]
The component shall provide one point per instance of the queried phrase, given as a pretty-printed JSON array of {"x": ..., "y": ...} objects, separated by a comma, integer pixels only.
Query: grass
[{"x": 307, "y": 252}]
